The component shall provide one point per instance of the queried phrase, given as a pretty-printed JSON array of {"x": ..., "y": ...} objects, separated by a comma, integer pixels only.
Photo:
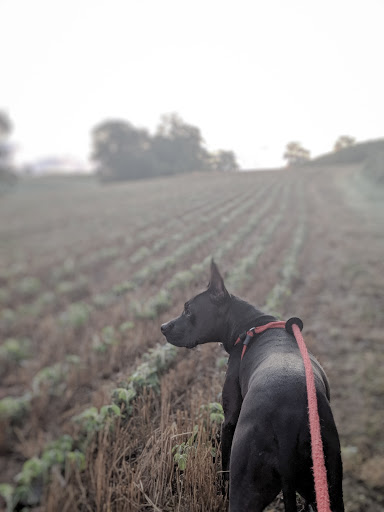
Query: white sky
[{"x": 252, "y": 75}]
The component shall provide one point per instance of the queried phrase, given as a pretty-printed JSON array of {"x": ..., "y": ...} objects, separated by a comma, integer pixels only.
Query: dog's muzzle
[{"x": 167, "y": 327}]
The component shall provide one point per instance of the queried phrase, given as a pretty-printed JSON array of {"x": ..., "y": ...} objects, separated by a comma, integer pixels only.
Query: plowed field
[{"x": 96, "y": 414}]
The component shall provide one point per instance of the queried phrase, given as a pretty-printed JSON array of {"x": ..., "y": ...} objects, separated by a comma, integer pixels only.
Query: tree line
[{"x": 121, "y": 151}]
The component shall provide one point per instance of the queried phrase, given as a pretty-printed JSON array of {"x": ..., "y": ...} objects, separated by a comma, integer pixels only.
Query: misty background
[{"x": 251, "y": 76}]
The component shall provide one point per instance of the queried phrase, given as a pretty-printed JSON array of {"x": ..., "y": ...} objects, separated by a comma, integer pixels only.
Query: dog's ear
[{"x": 216, "y": 285}]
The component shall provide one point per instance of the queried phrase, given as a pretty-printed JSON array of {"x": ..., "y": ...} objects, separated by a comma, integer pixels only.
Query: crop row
[
  {"x": 282, "y": 287},
  {"x": 241, "y": 271}
]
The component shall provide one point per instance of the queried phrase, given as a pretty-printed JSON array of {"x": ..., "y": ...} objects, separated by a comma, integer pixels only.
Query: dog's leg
[
  {"x": 332, "y": 457},
  {"x": 254, "y": 480},
  {"x": 289, "y": 495},
  {"x": 232, "y": 401},
  {"x": 252, "y": 491},
  {"x": 335, "y": 475}
]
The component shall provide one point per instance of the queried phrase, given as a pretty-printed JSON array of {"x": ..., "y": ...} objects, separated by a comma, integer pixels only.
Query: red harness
[
  {"x": 258, "y": 330},
  {"x": 294, "y": 326}
]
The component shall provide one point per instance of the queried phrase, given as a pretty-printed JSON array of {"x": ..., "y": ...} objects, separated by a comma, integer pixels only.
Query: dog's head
[{"x": 203, "y": 315}]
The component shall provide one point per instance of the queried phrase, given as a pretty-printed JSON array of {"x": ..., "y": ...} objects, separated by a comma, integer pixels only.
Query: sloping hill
[{"x": 369, "y": 153}]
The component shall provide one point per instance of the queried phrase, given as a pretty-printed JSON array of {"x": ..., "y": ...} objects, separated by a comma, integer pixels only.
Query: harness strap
[{"x": 295, "y": 326}]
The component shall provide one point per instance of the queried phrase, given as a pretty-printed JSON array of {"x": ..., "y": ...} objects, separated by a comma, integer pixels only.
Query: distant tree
[
  {"x": 224, "y": 161},
  {"x": 121, "y": 151},
  {"x": 295, "y": 154},
  {"x": 5, "y": 125},
  {"x": 344, "y": 141},
  {"x": 179, "y": 146},
  {"x": 7, "y": 175}
]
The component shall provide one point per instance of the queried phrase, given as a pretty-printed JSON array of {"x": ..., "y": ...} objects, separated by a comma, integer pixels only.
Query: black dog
[{"x": 265, "y": 434}]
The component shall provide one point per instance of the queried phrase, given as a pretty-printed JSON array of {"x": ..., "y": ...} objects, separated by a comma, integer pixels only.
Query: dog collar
[{"x": 247, "y": 336}]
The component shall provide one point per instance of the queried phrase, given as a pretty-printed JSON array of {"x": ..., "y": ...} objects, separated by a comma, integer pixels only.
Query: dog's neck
[{"x": 241, "y": 317}]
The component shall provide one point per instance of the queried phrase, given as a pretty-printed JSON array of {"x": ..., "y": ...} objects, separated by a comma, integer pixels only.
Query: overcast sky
[{"x": 252, "y": 75}]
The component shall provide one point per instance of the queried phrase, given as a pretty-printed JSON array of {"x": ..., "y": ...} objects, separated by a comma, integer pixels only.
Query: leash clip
[{"x": 249, "y": 336}]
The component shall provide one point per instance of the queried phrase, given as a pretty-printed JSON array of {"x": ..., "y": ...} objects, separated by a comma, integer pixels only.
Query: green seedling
[
  {"x": 123, "y": 397},
  {"x": 183, "y": 450},
  {"x": 216, "y": 413},
  {"x": 14, "y": 408},
  {"x": 126, "y": 326},
  {"x": 4, "y": 295},
  {"x": 107, "y": 338},
  {"x": 14, "y": 350},
  {"x": 103, "y": 300},
  {"x": 74, "y": 289},
  {"x": 32, "y": 310},
  {"x": 8, "y": 318},
  {"x": 73, "y": 359},
  {"x": 181, "y": 279},
  {"x": 156, "y": 305},
  {"x": 102, "y": 255},
  {"x": 110, "y": 411},
  {"x": 7, "y": 491},
  {"x": 145, "y": 376},
  {"x": 28, "y": 287},
  {"x": 123, "y": 288},
  {"x": 52, "y": 378},
  {"x": 140, "y": 254},
  {"x": 222, "y": 362},
  {"x": 47, "y": 299},
  {"x": 67, "y": 269},
  {"x": 76, "y": 459},
  {"x": 108, "y": 335},
  {"x": 89, "y": 420},
  {"x": 30, "y": 481},
  {"x": 76, "y": 315}
]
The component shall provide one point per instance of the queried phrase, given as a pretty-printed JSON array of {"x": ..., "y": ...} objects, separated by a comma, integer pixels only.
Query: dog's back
[{"x": 271, "y": 448}]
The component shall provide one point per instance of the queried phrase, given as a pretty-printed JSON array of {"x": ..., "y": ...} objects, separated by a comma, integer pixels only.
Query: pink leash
[{"x": 319, "y": 470}]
